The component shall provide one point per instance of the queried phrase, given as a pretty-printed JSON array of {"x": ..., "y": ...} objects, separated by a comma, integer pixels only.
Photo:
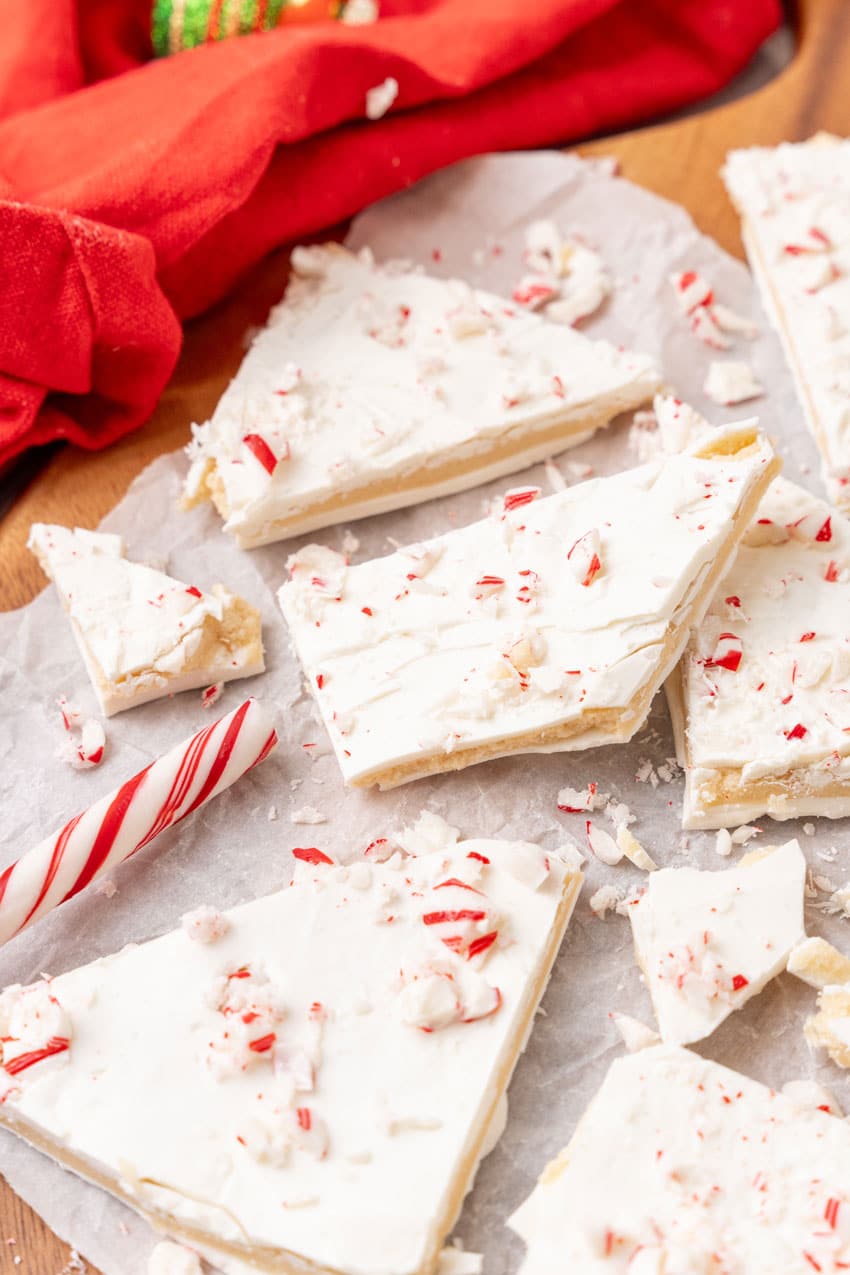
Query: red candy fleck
[
  {"x": 831, "y": 573},
  {"x": 305, "y": 1119},
  {"x": 739, "y": 981},
  {"x": 56, "y": 1045},
  {"x": 196, "y": 593},
  {"x": 727, "y": 654},
  {"x": 310, "y": 854},
  {"x": 456, "y": 914},
  {"x": 796, "y": 732},
  {"x": 477, "y": 946},
  {"x": 831, "y": 1212},
  {"x": 366, "y": 610},
  {"x": 260, "y": 449},
  {"x": 825, "y": 532},
  {"x": 807, "y": 637},
  {"x": 733, "y": 600},
  {"x": 518, "y": 497},
  {"x": 263, "y": 1044},
  {"x": 482, "y": 858}
]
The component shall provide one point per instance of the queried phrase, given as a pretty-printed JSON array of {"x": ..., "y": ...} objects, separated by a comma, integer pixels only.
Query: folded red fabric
[{"x": 134, "y": 191}]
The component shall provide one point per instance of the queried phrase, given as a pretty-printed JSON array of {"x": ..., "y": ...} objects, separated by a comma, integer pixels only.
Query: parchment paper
[{"x": 474, "y": 214}]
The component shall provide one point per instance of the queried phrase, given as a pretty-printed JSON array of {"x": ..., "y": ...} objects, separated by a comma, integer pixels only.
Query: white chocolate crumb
[
  {"x": 634, "y": 851},
  {"x": 273, "y": 814},
  {"x": 606, "y": 899},
  {"x": 635, "y": 1034},
  {"x": 106, "y": 887},
  {"x": 723, "y": 842},
  {"x": 809, "y": 829},
  {"x": 745, "y": 833},
  {"x": 307, "y": 814},
  {"x": 731, "y": 382}
]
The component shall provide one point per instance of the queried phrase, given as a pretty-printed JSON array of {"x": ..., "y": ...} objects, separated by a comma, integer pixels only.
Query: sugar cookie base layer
[
  {"x": 680, "y": 1164},
  {"x": 795, "y": 203},
  {"x": 761, "y": 699},
  {"x": 327, "y": 1063},
  {"x": 375, "y": 387},
  {"x": 709, "y": 941},
  {"x": 545, "y": 627},
  {"x": 141, "y": 633}
]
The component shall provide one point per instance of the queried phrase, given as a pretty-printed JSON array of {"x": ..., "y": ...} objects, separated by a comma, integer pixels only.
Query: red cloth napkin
[{"x": 133, "y": 192}]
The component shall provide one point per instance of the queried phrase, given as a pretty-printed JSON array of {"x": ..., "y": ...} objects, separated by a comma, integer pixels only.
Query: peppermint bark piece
[
  {"x": 681, "y": 1164},
  {"x": 794, "y": 202},
  {"x": 141, "y": 633},
  {"x": 709, "y": 941},
  {"x": 373, "y": 387},
  {"x": 328, "y": 1062},
  {"x": 761, "y": 699},
  {"x": 547, "y": 626}
]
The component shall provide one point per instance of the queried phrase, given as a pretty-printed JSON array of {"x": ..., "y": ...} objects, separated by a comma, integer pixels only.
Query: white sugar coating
[
  {"x": 680, "y": 1164},
  {"x": 298, "y": 1091},
  {"x": 410, "y": 387},
  {"x": 794, "y": 201},
  {"x": 731, "y": 382},
  {"x": 141, "y": 633},
  {"x": 709, "y": 941},
  {"x": 761, "y": 699},
  {"x": 485, "y": 642}
]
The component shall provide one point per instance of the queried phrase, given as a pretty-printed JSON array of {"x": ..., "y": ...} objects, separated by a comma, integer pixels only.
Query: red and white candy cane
[{"x": 124, "y": 821}]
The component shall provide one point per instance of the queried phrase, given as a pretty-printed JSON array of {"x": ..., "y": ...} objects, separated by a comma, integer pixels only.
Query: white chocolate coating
[
  {"x": 795, "y": 202},
  {"x": 373, "y": 387},
  {"x": 300, "y": 1116},
  {"x": 709, "y": 941},
  {"x": 542, "y": 628},
  {"x": 143, "y": 634},
  {"x": 762, "y": 714},
  {"x": 680, "y": 1164}
]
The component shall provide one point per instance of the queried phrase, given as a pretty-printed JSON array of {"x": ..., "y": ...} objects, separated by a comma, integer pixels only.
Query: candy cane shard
[
  {"x": 681, "y": 1164},
  {"x": 547, "y": 626},
  {"x": 707, "y": 942},
  {"x": 761, "y": 698},
  {"x": 373, "y": 387},
  {"x": 794, "y": 202},
  {"x": 141, "y": 633},
  {"x": 323, "y": 1051},
  {"x": 124, "y": 821}
]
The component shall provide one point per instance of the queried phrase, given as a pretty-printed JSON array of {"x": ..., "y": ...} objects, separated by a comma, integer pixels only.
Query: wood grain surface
[{"x": 678, "y": 160}]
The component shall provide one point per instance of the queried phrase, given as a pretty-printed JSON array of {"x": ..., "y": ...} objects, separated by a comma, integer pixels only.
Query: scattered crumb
[
  {"x": 168, "y": 1258},
  {"x": 106, "y": 887},
  {"x": 579, "y": 470},
  {"x": 84, "y": 742},
  {"x": 380, "y": 98},
  {"x": 606, "y": 899},
  {"x": 745, "y": 833},
  {"x": 634, "y": 851},
  {"x": 576, "y": 801},
  {"x": 272, "y": 815},
  {"x": 731, "y": 382},
  {"x": 454, "y": 1260},
  {"x": 809, "y": 829},
  {"x": 723, "y": 842},
  {"x": 307, "y": 814},
  {"x": 205, "y": 925},
  {"x": 636, "y": 1035},
  {"x": 603, "y": 845},
  {"x": 350, "y": 543},
  {"x": 212, "y": 694},
  {"x": 557, "y": 481}
]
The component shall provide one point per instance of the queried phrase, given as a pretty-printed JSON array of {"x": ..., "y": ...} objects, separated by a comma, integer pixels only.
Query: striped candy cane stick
[{"x": 118, "y": 825}]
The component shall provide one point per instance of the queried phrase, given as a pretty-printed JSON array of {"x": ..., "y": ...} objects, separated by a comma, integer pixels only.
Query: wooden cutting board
[{"x": 680, "y": 161}]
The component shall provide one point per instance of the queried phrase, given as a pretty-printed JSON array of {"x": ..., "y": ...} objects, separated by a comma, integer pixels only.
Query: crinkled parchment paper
[{"x": 475, "y": 215}]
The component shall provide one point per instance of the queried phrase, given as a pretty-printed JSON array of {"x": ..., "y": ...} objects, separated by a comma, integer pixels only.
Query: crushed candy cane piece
[
  {"x": 85, "y": 740},
  {"x": 212, "y": 694},
  {"x": 205, "y": 924},
  {"x": 584, "y": 557},
  {"x": 575, "y": 801}
]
